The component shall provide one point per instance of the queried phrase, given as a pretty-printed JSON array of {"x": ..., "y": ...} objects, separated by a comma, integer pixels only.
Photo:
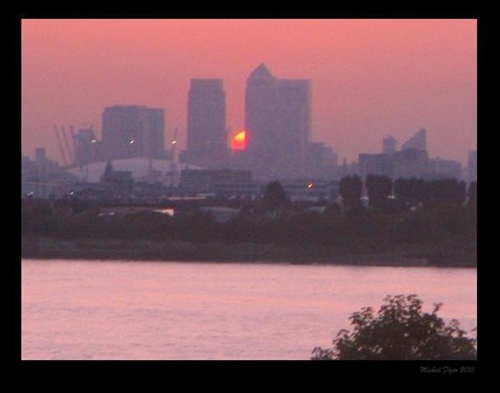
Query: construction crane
[{"x": 60, "y": 145}]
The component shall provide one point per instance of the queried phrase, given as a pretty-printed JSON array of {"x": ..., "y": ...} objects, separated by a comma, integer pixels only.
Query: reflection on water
[{"x": 165, "y": 310}]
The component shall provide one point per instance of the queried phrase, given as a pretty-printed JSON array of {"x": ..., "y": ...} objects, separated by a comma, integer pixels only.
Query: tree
[
  {"x": 399, "y": 331},
  {"x": 472, "y": 195},
  {"x": 379, "y": 188},
  {"x": 446, "y": 191},
  {"x": 275, "y": 198},
  {"x": 350, "y": 189}
]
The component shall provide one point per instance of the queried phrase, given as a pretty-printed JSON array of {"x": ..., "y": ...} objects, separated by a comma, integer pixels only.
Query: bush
[{"x": 399, "y": 331}]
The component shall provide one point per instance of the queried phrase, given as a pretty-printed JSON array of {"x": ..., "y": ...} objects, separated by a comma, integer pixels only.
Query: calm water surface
[{"x": 170, "y": 310}]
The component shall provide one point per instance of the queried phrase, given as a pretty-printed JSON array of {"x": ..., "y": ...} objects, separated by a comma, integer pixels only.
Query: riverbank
[{"x": 442, "y": 255}]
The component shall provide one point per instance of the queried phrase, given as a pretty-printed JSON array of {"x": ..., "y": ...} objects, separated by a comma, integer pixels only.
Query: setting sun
[{"x": 238, "y": 140}]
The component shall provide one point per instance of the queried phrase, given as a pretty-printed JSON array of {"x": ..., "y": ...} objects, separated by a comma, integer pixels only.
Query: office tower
[
  {"x": 277, "y": 121},
  {"x": 206, "y": 124},
  {"x": 155, "y": 138},
  {"x": 293, "y": 131},
  {"x": 133, "y": 131},
  {"x": 389, "y": 145},
  {"x": 417, "y": 141}
]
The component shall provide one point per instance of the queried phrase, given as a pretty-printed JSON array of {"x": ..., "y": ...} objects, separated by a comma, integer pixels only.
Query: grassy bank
[{"x": 451, "y": 254}]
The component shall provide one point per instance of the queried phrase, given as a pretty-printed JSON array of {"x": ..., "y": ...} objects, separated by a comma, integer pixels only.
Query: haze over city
[
  {"x": 369, "y": 78},
  {"x": 265, "y": 179}
]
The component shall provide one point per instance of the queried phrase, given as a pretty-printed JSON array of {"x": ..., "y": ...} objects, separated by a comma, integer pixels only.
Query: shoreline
[{"x": 251, "y": 253}]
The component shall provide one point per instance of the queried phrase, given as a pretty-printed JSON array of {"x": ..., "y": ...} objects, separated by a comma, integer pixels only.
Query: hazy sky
[{"x": 370, "y": 78}]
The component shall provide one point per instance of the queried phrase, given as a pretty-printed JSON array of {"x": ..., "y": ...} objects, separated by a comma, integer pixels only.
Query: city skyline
[{"x": 371, "y": 78}]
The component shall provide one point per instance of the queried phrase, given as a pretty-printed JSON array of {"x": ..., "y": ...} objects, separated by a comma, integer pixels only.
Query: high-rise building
[
  {"x": 293, "y": 128},
  {"x": 278, "y": 124},
  {"x": 260, "y": 119},
  {"x": 417, "y": 141},
  {"x": 133, "y": 131},
  {"x": 206, "y": 124}
]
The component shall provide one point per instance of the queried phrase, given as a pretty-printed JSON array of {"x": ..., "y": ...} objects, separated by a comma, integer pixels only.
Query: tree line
[
  {"x": 408, "y": 212},
  {"x": 384, "y": 193}
]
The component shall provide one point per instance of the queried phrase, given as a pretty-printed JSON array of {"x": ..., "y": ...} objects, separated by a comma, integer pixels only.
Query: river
[{"x": 126, "y": 310}]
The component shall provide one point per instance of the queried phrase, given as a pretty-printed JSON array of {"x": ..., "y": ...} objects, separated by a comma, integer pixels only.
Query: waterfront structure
[{"x": 133, "y": 131}]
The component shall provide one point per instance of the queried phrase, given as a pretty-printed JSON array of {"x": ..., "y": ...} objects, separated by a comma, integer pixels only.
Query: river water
[{"x": 202, "y": 311}]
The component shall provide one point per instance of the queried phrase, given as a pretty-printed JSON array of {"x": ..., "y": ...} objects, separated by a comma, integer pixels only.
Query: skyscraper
[
  {"x": 293, "y": 128},
  {"x": 206, "y": 124},
  {"x": 260, "y": 118},
  {"x": 133, "y": 131},
  {"x": 278, "y": 124}
]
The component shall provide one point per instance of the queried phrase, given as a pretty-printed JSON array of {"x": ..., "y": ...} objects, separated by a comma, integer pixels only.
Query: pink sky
[{"x": 370, "y": 78}]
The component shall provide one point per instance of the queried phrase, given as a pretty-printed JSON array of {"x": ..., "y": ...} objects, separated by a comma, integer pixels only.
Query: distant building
[
  {"x": 120, "y": 183},
  {"x": 133, "y": 131},
  {"x": 278, "y": 124},
  {"x": 448, "y": 169},
  {"x": 44, "y": 178},
  {"x": 376, "y": 164},
  {"x": 472, "y": 166},
  {"x": 321, "y": 161},
  {"x": 410, "y": 163},
  {"x": 293, "y": 128},
  {"x": 389, "y": 145},
  {"x": 85, "y": 146},
  {"x": 206, "y": 125},
  {"x": 223, "y": 183},
  {"x": 260, "y": 119},
  {"x": 403, "y": 164},
  {"x": 417, "y": 141},
  {"x": 347, "y": 169}
]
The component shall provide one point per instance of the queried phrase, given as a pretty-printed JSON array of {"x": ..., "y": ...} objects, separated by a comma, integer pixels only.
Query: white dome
[{"x": 139, "y": 166}]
